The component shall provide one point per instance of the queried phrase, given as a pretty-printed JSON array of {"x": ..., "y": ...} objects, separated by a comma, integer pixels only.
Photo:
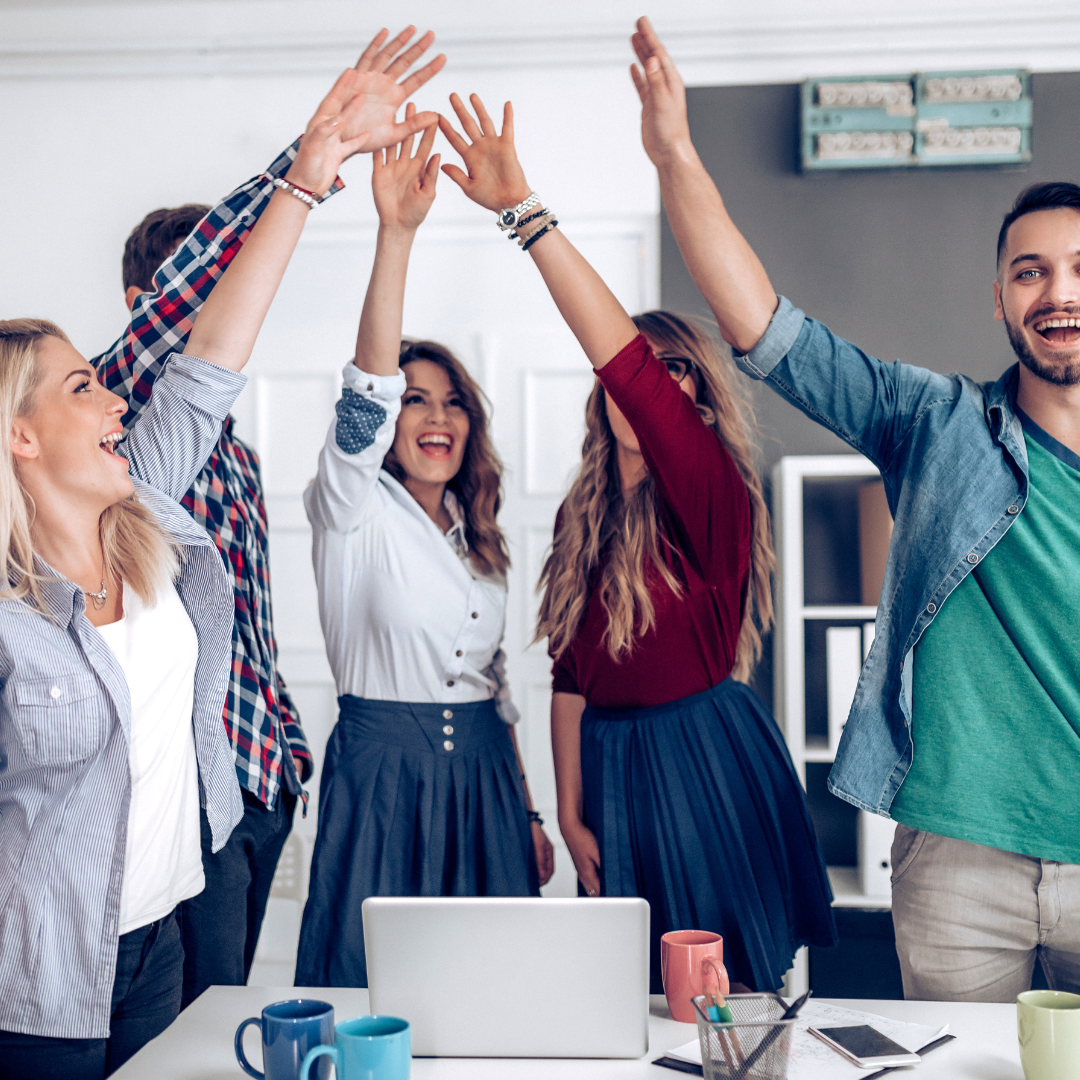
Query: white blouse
[{"x": 405, "y": 613}]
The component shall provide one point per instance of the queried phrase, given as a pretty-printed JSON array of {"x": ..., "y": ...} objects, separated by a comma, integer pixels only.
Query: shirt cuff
[
  {"x": 211, "y": 387},
  {"x": 384, "y": 388},
  {"x": 775, "y": 343}
]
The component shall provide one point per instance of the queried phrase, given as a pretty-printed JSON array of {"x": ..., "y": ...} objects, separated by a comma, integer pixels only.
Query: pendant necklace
[{"x": 99, "y": 599}]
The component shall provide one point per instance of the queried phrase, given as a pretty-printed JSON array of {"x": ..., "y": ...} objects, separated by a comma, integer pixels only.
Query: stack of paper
[{"x": 811, "y": 1059}]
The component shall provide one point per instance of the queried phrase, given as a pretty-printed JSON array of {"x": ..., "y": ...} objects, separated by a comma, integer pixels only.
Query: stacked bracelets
[
  {"x": 308, "y": 197},
  {"x": 530, "y": 229},
  {"x": 527, "y": 230}
]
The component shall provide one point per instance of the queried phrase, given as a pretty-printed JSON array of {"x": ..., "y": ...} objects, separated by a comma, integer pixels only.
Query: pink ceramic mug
[{"x": 688, "y": 959}]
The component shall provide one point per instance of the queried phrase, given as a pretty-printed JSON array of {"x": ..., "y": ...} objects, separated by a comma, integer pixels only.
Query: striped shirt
[
  {"x": 65, "y": 717},
  {"x": 226, "y": 496}
]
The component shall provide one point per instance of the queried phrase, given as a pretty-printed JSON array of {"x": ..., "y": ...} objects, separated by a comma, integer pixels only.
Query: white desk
[{"x": 199, "y": 1046}]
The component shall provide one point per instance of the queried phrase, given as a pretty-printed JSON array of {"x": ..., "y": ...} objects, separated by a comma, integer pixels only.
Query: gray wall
[{"x": 900, "y": 262}]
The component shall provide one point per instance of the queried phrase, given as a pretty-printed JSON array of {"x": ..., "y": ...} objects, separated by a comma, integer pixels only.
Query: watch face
[{"x": 508, "y": 217}]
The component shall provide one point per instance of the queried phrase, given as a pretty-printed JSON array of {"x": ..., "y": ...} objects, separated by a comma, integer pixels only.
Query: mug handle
[
  {"x": 723, "y": 984},
  {"x": 321, "y": 1051},
  {"x": 238, "y": 1045}
]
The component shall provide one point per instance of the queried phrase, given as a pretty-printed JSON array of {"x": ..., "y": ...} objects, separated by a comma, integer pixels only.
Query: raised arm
[
  {"x": 362, "y": 431},
  {"x": 723, "y": 265},
  {"x": 162, "y": 319},
  {"x": 496, "y": 181}
]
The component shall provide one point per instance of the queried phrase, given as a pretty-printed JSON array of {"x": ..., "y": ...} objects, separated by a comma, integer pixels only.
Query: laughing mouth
[
  {"x": 108, "y": 443},
  {"x": 436, "y": 444},
  {"x": 1058, "y": 331}
]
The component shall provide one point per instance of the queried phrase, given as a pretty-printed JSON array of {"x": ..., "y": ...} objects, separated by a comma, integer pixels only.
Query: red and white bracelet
[{"x": 308, "y": 197}]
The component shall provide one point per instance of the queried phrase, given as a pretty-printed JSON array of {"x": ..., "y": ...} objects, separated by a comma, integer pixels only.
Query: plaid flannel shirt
[{"x": 226, "y": 497}]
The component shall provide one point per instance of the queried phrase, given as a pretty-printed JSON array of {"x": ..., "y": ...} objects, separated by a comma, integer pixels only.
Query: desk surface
[{"x": 199, "y": 1045}]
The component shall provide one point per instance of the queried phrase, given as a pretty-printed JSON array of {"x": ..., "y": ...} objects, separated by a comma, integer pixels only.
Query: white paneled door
[{"x": 471, "y": 290}]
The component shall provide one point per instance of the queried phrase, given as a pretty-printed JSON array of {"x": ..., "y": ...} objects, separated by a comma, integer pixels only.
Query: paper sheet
[{"x": 811, "y": 1059}]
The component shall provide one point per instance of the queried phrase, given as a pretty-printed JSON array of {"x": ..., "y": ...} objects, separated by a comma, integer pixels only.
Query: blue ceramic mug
[
  {"x": 289, "y": 1030},
  {"x": 367, "y": 1048}
]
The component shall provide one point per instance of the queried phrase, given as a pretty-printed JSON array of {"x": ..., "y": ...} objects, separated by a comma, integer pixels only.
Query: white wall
[{"x": 109, "y": 111}]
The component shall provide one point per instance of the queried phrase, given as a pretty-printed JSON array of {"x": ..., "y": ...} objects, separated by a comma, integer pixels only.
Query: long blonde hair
[
  {"x": 135, "y": 546},
  {"x": 597, "y": 520}
]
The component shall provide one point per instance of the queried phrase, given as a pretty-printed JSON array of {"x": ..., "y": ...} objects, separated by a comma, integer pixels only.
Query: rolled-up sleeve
[
  {"x": 175, "y": 434},
  {"x": 775, "y": 343}
]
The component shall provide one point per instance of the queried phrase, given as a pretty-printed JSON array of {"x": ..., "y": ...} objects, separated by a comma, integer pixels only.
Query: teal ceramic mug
[
  {"x": 367, "y": 1048},
  {"x": 1048, "y": 1024}
]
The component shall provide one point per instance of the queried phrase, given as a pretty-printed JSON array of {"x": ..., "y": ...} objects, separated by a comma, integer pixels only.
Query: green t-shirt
[{"x": 996, "y": 683}]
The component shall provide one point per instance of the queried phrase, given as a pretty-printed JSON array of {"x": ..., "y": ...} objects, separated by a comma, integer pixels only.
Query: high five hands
[
  {"x": 360, "y": 112},
  {"x": 665, "y": 131},
  {"x": 402, "y": 183}
]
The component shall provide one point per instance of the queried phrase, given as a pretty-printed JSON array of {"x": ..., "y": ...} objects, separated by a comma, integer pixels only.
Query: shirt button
[
  {"x": 931, "y": 608},
  {"x": 1014, "y": 509},
  {"x": 447, "y": 714},
  {"x": 55, "y": 692},
  {"x": 476, "y": 614},
  {"x": 449, "y": 682},
  {"x": 459, "y": 653},
  {"x": 973, "y": 558},
  {"x": 371, "y": 386},
  {"x": 448, "y": 745},
  {"x": 448, "y": 729}
]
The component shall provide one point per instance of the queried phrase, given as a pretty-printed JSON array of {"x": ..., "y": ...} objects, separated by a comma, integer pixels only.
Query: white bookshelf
[{"x": 789, "y": 650}]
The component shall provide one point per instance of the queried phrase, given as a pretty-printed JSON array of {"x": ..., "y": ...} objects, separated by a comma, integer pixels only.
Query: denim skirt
[
  {"x": 697, "y": 807},
  {"x": 414, "y": 800}
]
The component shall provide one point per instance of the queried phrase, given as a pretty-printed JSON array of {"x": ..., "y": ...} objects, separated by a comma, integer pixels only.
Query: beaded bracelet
[
  {"x": 525, "y": 221},
  {"x": 532, "y": 239},
  {"x": 309, "y": 198},
  {"x": 524, "y": 235}
]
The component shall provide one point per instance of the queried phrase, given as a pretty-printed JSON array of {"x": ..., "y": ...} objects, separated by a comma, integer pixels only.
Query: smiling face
[
  {"x": 433, "y": 428},
  {"x": 1037, "y": 294},
  {"x": 64, "y": 445}
]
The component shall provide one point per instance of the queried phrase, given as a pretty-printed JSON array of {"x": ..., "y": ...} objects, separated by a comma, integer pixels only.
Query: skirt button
[
  {"x": 448, "y": 729},
  {"x": 448, "y": 745}
]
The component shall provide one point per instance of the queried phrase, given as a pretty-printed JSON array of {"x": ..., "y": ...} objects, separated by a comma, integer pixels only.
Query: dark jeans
[
  {"x": 221, "y": 925},
  {"x": 145, "y": 1001}
]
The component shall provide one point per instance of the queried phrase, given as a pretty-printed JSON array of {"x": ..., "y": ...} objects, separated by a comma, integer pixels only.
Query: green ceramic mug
[
  {"x": 1048, "y": 1023},
  {"x": 367, "y": 1048}
]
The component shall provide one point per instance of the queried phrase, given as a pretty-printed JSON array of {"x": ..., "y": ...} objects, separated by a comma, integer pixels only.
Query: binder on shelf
[
  {"x": 875, "y": 837},
  {"x": 843, "y": 663},
  {"x": 875, "y": 535}
]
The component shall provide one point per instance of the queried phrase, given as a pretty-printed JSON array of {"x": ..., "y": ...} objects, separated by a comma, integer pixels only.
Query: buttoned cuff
[
  {"x": 384, "y": 388},
  {"x": 775, "y": 343},
  {"x": 210, "y": 386}
]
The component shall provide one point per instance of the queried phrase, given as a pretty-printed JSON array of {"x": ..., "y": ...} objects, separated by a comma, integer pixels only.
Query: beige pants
[{"x": 970, "y": 920}]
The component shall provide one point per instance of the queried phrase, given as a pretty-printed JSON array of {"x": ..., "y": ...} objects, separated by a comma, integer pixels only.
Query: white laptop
[{"x": 512, "y": 977}]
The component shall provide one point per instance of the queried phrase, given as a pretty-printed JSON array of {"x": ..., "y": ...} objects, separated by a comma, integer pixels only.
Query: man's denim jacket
[{"x": 955, "y": 466}]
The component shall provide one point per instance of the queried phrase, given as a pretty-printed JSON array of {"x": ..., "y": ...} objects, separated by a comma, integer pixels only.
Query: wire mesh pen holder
[{"x": 754, "y": 1047}]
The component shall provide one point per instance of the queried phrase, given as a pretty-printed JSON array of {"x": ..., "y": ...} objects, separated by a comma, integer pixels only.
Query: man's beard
[{"x": 1066, "y": 373}]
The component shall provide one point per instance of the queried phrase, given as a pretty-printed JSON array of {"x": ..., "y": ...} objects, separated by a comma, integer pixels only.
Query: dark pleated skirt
[
  {"x": 697, "y": 808},
  {"x": 407, "y": 809}
]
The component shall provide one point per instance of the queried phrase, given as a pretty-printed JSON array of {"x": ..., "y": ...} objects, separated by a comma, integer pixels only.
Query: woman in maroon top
[{"x": 674, "y": 782}]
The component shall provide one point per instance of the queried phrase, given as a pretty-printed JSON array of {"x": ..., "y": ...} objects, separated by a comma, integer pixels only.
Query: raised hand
[
  {"x": 494, "y": 178},
  {"x": 404, "y": 184},
  {"x": 664, "y": 128}
]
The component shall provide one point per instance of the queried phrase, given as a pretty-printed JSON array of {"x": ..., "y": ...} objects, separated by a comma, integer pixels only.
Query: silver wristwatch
[{"x": 509, "y": 218}]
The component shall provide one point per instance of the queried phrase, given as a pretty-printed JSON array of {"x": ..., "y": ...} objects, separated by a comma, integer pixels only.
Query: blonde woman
[
  {"x": 422, "y": 791},
  {"x": 115, "y": 636},
  {"x": 674, "y": 782}
]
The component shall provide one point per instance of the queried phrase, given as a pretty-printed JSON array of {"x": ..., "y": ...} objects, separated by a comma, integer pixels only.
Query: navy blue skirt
[
  {"x": 696, "y": 806},
  {"x": 415, "y": 800}
]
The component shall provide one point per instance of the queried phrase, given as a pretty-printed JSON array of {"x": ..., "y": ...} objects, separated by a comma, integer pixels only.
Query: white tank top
[{"x": 157, "y": 648}]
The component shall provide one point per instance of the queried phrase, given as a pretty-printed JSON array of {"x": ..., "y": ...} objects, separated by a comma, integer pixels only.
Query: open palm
[
  {"x": 374, "y": 80},
  {"x": 404, "y": 184}
]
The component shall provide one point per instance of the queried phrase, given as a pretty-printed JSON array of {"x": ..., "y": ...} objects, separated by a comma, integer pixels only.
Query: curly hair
[
  {"x": 597, "y": 520},
  {"x": 478, "y": 484}
]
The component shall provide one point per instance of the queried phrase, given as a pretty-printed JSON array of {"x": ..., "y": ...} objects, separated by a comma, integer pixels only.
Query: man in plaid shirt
[{"x": 221, "y": 926}]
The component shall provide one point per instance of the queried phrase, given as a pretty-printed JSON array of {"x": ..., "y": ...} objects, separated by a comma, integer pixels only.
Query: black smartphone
[{"x": 866, "y": 1046}]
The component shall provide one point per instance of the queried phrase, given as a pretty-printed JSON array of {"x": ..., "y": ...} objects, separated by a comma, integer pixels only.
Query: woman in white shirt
[{"x": 422, "y": 790}]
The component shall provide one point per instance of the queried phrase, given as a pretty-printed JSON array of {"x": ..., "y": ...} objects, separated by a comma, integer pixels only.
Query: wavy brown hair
[
  {"x": 478, "y": 484},
  {"x": 598, "y": 522},
  {"x": 135, "y": 546}
]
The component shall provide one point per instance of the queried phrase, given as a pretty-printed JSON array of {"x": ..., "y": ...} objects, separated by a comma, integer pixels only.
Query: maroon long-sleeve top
[{"x": 705, "y": 519}]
